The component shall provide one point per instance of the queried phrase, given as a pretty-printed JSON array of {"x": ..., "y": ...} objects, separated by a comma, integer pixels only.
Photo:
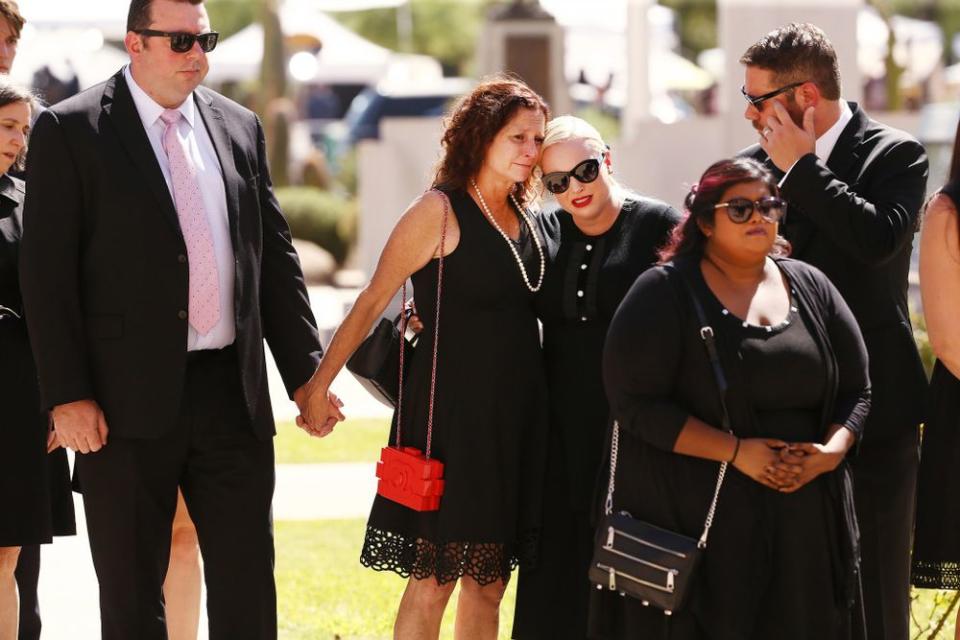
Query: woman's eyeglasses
[
  {"x": 585, "y": 172},
  {"x": 181, "y": 42},
  {"x": 740, "y": 210}
]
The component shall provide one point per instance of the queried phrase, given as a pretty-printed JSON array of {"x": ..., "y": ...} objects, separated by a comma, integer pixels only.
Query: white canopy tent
[
  {"x": 344, "y": 56},
  {"x": 108, "y": 16},
  {"x": 66, "y": 51}
]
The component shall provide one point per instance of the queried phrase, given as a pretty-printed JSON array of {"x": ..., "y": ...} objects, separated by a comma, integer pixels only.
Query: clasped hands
[
  {"x": 786, "y": 467},
  {"x": 319, "y": 409}
]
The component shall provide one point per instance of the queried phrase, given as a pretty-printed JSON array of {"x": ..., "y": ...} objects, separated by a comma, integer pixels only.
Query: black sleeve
[
  {"x": 670, "y": 218},
  {"x": 642, "y": 358},
  {"x": 853, "y": 390},
  {"x": 50, "y": 264},
  {"x": 288, "y": 322},
  {"x": 871, "y": 230}
]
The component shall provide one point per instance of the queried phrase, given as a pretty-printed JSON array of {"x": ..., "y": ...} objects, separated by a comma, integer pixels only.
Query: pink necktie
[{"x": 204, "y": 303}]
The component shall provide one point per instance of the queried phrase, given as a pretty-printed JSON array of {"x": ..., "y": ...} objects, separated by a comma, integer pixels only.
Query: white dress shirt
[
  {"x": 827, "y": 141},
  {"x": 196, "y": 140}
]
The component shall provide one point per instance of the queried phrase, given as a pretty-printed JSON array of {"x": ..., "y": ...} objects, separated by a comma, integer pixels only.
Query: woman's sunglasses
[
  {"x": 585, "y": 172},
  {"x": 740, "y": 210},
  {"x": 181, "y": 42}
]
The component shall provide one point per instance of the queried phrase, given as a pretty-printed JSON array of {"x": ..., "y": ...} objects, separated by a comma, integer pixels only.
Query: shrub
[{"x": 322, "y": 217}]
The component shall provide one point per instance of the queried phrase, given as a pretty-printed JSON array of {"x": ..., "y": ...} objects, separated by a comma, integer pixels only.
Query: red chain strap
[{"x": 436, "y": 336}]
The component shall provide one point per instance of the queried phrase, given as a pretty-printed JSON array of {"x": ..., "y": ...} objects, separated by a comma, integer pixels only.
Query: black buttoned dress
[{"x": 587, "y": 278}]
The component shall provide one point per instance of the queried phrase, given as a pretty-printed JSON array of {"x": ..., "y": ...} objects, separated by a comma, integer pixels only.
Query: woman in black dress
[
  {"x": 601, "y": 238},
  {"x": 936, "y": 545},
  {"x": 31, "y": 481},
  {"x": 782, "y": 557},
  {"x": 489, "y": 426}
]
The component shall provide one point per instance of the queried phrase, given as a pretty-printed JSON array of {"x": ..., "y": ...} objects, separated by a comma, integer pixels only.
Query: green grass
[
  {"x": 927, "y": 611},
  {"x": 358, "y": 440},
  {"x": 325, "y": 593}
]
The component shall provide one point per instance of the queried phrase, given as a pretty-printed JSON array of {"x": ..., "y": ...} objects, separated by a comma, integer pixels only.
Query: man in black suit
[
  {"x": 155, "y": 262},
  {"x": 854, "y": 188}
]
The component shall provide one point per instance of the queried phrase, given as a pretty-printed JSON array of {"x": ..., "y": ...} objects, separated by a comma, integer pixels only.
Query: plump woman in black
[
  {"x": 600, "y": 238},
  {"x": 781, "y": 559},
  {"x": 31, "y": 481}
]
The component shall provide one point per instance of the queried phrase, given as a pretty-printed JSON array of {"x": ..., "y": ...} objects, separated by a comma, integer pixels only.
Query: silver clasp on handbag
[{"x": 613, "y": 579}]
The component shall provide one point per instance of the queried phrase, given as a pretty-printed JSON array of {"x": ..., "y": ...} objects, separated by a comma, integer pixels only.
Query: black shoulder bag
[
  {"x": 639, "y": 559},
  {"x": 375, "y": 362}
]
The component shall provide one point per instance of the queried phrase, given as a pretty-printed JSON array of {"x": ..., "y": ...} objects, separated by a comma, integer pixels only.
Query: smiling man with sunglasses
[
  {"x": 155, "y": 262},
  {"x": 855, "y": 188}
]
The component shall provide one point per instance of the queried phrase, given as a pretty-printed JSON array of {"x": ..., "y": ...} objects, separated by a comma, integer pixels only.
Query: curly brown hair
[{"x": 474, "y": 122}]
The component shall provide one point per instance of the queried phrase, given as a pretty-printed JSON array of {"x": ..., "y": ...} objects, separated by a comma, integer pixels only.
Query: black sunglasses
[
  {"x": 585, "y": 172},
  {"x": 758, "y": 101},
  {"x": 181, "y": 42},
  {"x": 740, "y": 210}
]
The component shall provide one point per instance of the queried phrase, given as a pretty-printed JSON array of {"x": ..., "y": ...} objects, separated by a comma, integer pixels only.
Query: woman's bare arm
[
  {"x": 940, "y": 279},
  {"x": 414, "y": 241}
]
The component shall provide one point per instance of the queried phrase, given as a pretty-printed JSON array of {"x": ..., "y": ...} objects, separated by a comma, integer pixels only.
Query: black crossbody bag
[
  {"x": 641, "y": 560},
  {"x": 376, "y": 361}
]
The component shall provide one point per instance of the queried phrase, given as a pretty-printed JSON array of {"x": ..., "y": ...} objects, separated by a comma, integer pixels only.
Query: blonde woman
[{"x": 601, "y": 237}]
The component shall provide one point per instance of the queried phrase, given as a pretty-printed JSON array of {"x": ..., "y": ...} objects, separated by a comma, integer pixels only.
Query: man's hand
[
  {"x": 784, "y": 141},
  {"x": 80, "y": 426},
  {"x": 319, "y": 409},
  {"x": 53, "y": 442}
]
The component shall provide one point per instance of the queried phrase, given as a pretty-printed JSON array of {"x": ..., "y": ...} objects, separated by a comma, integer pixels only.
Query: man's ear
[
  {"x": 133, "y": 43},
  {"x": 808, "y": 95}
]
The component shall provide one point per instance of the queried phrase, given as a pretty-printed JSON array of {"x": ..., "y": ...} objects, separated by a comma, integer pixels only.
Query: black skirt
[
  {"x": 35, "y": 499},
  {"x": 936, "y": 551}
]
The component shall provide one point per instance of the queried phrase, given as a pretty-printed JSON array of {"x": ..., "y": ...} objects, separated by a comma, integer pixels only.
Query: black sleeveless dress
[
  {"x": 936, "y": 545},
  {"x": 489, "y": 417}
]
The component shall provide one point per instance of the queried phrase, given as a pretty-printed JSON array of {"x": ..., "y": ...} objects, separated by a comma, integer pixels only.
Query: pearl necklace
[{"x": 513, "y": 249}]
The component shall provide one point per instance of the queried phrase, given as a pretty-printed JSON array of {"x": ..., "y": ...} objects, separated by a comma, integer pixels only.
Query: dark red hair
[{"x": 474, "y": 122}]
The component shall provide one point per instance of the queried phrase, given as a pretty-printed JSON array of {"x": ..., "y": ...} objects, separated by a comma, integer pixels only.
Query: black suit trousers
[
  {"x": 227, "y": 477},
  {"x": 885, "y": 482}
]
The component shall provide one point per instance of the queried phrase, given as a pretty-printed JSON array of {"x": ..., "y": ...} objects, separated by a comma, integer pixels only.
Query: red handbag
[{"x": 407, "y": 475}]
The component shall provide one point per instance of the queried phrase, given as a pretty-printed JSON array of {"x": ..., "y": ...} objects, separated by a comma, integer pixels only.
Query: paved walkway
[{"x": 68, "y": 584}]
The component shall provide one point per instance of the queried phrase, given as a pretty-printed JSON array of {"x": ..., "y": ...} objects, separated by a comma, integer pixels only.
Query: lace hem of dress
[
  {"x": 446, "y": 561},
  {"x": 936, "y": 575}
]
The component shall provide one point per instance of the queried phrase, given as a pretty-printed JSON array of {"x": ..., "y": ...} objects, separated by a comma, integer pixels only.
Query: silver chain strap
[{"x": 611, "y": 485}]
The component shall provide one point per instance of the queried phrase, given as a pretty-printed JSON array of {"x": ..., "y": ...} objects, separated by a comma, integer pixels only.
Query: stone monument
[{"x": 522, "y": 38}]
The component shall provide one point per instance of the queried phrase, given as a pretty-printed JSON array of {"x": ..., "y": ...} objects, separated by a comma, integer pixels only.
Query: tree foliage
[
  {"x": 697, "y": 24},
  {"x": 230, "y": 16},
  {"x": 443, "y": 29}
]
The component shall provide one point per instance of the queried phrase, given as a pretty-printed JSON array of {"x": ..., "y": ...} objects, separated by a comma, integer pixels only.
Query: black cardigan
[{"x": 657, "y": 373}]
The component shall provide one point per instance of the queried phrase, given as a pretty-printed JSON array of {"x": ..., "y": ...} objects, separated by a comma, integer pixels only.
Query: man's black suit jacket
[
  {"x": 855, "y": 218},
  {"x": 104, "y": 267}
]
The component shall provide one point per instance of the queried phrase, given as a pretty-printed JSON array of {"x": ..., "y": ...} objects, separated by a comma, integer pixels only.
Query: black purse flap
[
  {"x": 377, "y": 351},
  {"x": 644, "y": 561}
]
